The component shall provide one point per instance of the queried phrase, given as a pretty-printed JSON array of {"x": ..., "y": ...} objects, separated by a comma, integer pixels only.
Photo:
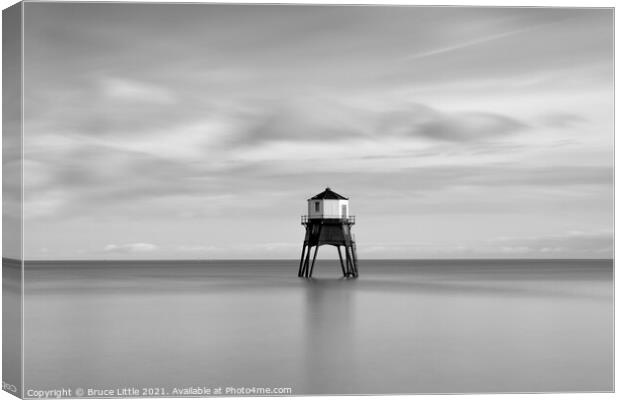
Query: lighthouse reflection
[{"x": 330, "y": 365}]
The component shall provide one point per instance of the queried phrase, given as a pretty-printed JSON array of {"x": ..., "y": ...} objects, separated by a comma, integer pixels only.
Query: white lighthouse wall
[{"x": 327, "y": 208}]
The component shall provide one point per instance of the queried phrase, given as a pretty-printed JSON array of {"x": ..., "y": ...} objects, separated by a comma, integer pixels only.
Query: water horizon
[{"x": 297, "y": 260}]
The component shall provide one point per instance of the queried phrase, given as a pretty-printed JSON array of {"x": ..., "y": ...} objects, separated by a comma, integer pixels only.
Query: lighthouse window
[{"x": 317, "y": 206}]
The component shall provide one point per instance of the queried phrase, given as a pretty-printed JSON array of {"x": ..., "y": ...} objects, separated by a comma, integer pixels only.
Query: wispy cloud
[
  {"x": 135, "y": 91},
  {"x": 463, "y": 126},
  {"x": 562, "y": 120},
  {"x": 130, "y": 248},
  {"x": 466, "y": 44}
]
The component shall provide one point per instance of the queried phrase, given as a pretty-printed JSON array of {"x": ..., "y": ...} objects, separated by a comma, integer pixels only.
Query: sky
[{"x": 189, "y": 131}]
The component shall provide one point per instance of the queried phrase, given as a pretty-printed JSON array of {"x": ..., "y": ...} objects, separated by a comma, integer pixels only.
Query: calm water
[{"x": 402, "y": 327}]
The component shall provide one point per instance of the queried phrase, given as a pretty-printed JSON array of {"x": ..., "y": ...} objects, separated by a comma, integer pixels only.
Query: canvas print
[{"x": 204, "y": 200}]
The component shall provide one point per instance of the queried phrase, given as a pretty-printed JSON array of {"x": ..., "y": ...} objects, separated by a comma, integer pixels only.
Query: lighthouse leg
[
  {"x": 350, "y": 268},
  {"x": 304, "y": 271},
  {"x": 346, "y": 262},
  {"x": 316, "y": 250},
  {"x": 301, "y": 261},
  {"x": 350, "y": 256},
  {"x": 307, "y": 271},
  {"x": 341, "y": 263},
  {"x": 354, "y": 254}
]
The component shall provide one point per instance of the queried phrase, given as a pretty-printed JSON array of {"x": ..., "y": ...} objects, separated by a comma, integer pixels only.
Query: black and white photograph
[{"x": 227, "y": 199}]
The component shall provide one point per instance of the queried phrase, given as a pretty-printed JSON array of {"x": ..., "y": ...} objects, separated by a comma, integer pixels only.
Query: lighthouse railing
[{"x": 350, "y": 219}]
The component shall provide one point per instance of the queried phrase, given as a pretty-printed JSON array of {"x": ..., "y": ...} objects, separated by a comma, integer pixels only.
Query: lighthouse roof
[{"x": 328, "y": 194}]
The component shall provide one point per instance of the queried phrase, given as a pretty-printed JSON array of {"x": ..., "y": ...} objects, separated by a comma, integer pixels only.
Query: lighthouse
[{"x": 328, "y": 222}]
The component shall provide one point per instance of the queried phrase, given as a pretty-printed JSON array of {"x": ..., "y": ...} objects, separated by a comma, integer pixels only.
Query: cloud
[
  {"x": 336, "y": 120},
  {"x": 569, "y": 244},
  {"x": 459, "y": 127},
  {"x": 307, "y": 120},
  {"x": 467, "y": 44},
  {"x": 118, "y": 89},
  {"x": 493, "y": 175},
  {"x": 195, "y": 248},
  {"x": 573, "y": 244},
  {"x": 130, "y": 248},
  {"x": 274, "y": 250},
  {"x": 562, "y": 120},
  {"x": 92, "y": 179}
]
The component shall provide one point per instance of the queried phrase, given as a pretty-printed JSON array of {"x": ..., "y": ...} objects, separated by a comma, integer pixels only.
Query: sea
[{"x": 402, "y": 327}]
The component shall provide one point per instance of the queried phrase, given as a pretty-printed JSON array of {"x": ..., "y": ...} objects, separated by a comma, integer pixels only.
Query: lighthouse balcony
[{"x": 331, "y": 218}]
